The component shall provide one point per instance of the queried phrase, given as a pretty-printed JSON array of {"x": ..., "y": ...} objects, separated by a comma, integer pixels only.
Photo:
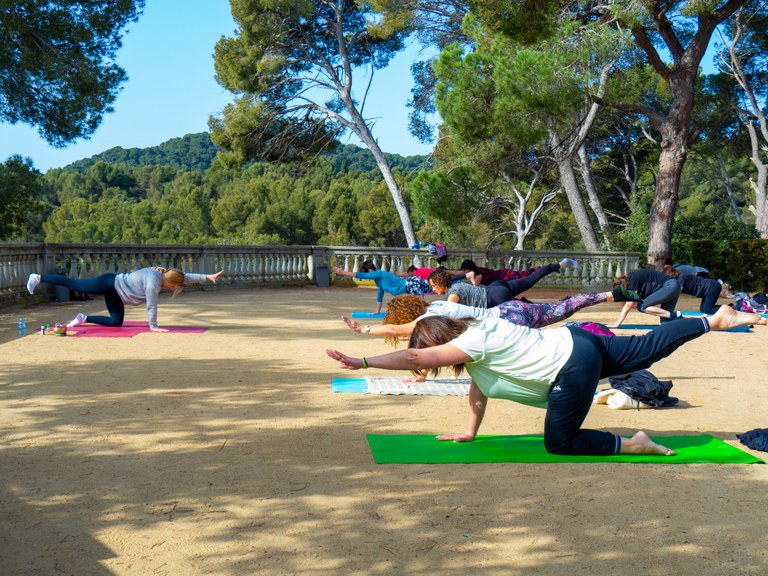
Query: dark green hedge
[{"x": 743, "y": 264}]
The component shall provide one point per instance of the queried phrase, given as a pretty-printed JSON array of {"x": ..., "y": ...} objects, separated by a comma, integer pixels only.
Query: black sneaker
[{"x": 621, "y": 294}]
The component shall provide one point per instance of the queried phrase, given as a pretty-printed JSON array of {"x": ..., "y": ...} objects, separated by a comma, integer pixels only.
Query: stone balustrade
[{"x": 264, "y": 265}]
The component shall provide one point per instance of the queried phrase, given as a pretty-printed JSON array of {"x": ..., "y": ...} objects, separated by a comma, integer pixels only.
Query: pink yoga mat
[{"x": 129, "y": 329}]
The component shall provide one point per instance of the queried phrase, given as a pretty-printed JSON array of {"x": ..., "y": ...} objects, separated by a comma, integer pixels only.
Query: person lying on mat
[
  {"x": 424, "y": 273},
  {"x": 386, "y": 282},
  {"x": 132, "y": 288},
  {"x": 405, "y": 310},
  {"x": 495, "y": 293},
  {"x": 557, "y": 369},
  {"x": 486, "y": 276}
]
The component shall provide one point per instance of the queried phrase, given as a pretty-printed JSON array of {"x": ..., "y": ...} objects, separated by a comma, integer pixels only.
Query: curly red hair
[{"x": 402, "y": 310}]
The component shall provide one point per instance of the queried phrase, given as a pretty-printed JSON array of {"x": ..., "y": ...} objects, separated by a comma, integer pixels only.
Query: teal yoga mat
[
  {"x": 652, "y": 326},
  {"x": 426, "y": 449},
  {"x": 359, "y": 314},
  {"x": 349, "y": 385}
]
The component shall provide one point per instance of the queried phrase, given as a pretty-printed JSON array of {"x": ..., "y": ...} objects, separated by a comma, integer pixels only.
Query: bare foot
[
  {"x": 726, "y": 317},
  {"x": 640, "y": 443}
]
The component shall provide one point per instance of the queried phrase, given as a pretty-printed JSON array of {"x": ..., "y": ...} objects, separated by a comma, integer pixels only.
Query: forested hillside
[
  {"x": 178, "y": 192},
  {"x": 196, "y": 152},
  {"x": 190, "y": 152}
]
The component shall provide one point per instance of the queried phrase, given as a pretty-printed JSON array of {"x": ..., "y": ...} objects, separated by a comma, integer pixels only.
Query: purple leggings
[{"x": 539, "y": 314}]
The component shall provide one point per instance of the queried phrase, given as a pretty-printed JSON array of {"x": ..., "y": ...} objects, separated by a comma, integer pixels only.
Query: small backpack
[{"x": 594, "y": 327}]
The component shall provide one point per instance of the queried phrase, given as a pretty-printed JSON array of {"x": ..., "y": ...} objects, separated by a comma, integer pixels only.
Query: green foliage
[
  {"x": 704, "y": 253},
  {"x": 191, "y": 152},
  {"x": 57, "y": 69},
  {"x": 451, "y": 198},
  {"x": 287, "y": 58},
  {"x": 348, "y": 157},
  {"x": 528, "y": 21},
  {"x": 251, "y": 129},
  {"x": 748, "y": 266},
  {"x": 634, "y": 236},
  {"x": 21, "y": 190}
]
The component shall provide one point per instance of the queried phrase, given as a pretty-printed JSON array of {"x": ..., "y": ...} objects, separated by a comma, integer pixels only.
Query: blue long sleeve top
[{"x": 386, "y": 282}]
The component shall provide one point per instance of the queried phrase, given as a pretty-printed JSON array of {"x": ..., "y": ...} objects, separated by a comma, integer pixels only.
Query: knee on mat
[{"x": 557, "y": 445}]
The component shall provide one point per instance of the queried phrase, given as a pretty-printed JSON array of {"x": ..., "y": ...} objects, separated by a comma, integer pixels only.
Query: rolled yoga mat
[{"x": 426, "y": 449}]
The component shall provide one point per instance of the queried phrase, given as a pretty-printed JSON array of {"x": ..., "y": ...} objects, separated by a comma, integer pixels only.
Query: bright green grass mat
[{"x": 426, "y": 449}]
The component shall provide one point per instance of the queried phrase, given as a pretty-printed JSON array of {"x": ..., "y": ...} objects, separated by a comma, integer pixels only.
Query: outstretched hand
[
  {"x": 462, "y": 437},
  {"x": 352, "y": 325},
  {"x": 345, "y": 362},
  {"x": 214, "y": 277}
]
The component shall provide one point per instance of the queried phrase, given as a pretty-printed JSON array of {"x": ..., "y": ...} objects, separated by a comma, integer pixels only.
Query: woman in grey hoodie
[{"x": 132, "y": 288}]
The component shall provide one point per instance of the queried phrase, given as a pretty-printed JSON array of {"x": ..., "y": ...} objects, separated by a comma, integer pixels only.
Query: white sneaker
[
  {"x": 34, "y": 280},
  {"x": 79, "y": 319}
]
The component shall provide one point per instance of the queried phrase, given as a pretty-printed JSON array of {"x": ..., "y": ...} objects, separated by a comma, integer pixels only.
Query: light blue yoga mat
[
  {"x": 367, "y": 315},
  {"x": 357, "y": 385}
]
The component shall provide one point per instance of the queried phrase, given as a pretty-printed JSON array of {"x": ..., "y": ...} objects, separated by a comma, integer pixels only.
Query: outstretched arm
[
  {"x": 477, "y": 404},
  {"x": 408, "y": 359},
  {"x": 396, "y": 330},
  {"x": 339, "y": 271}
]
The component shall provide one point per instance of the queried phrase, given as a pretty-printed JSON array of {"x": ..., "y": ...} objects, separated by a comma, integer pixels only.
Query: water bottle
[{"x": 22, "y": 327}]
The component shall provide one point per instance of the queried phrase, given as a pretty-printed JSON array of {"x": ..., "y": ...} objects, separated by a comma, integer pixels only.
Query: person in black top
[
  {"x": 708, "y": 289},
  {"x": 659, "y": 292}
]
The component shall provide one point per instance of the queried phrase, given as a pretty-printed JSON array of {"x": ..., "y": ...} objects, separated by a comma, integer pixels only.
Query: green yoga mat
[{"x": 426, "y": 449}]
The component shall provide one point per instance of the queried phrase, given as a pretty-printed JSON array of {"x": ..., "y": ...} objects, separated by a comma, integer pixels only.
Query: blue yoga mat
[
  {"x": 358, "y": 385},
  {"x": 652, "y": 326},
  {"x": 367, "y": 315},
  {"x": 692, "y": 314},
  {"x": 636, "y": 327}
]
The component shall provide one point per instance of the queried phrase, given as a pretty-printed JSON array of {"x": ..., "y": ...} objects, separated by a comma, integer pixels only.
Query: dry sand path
[{"x": 226, "y": 454}]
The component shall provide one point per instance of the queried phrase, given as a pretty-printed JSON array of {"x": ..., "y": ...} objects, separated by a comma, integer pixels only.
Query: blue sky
[{"x": 171, "y": 91}]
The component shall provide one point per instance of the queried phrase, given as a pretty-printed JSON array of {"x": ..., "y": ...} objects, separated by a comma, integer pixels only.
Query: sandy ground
[{"x": 226, "y": 453}]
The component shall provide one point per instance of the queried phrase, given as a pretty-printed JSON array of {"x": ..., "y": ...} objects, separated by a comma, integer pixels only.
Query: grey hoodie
[{"x": 144, "y": 286}]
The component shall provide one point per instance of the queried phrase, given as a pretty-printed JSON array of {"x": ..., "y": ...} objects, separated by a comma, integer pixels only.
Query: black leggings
[
  {"x": 502, "y": 290},
  {"x": 595, "y": 357},
  {"x": 709, "y": 299},
  {"x": 103, "y": 285}
]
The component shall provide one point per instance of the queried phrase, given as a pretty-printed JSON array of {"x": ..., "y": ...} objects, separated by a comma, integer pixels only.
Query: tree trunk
[
  {"x": 722, "y": 172},
  {"x": 359, "y": 127},
  {"x": 594, "y": 197},
  {"x": 571, "y": 186},
  {"x": 674, "y": 151},
  {"x": 759, "y": 184}
]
